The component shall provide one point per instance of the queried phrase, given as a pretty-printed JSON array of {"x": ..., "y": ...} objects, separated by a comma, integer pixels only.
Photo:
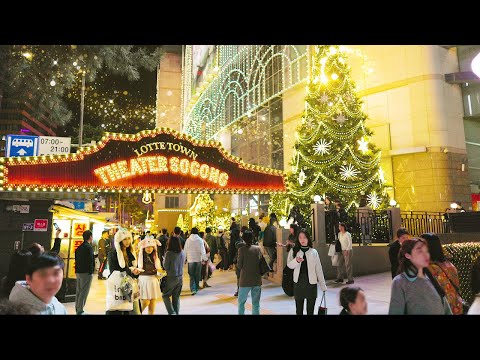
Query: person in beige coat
[{"x": 307, "y": 272}]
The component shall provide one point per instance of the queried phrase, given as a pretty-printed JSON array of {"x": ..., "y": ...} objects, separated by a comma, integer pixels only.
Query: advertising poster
[
  {"x": 71, "y": 269},
  {"x": 78, "y": 228}
]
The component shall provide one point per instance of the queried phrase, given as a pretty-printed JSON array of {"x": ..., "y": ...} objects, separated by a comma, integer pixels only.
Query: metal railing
[
  {"x": 366, "y": 226},
  {"x": 420, "y": 222}
]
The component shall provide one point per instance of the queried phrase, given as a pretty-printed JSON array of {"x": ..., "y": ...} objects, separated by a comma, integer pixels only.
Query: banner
[{"x": 160, "y": 160}]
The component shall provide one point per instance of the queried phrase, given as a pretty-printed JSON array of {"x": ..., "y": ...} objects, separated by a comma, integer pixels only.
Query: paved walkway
[{"x": 219, "y": 299}]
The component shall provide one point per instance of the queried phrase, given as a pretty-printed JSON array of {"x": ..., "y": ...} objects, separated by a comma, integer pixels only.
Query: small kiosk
[{"x": 73, "y": 223}]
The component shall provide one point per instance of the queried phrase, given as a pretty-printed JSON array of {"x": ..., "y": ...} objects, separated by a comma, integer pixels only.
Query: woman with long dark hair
[
  {"x": 250, "y": 279},
  {"x": 445, "y": 272},
  {"x": 307, "y": 272},
  {"x": 149, "y": 262},
  {"x": 173, "y": 264},
  {"x": 122, "y": 259},
  {"x": 415, "y": 291}
]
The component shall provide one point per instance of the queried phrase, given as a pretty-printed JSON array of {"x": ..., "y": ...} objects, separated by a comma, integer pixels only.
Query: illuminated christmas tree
[
  {"x": 204, "y": 212},
  {"x": 333, "y": 154}
]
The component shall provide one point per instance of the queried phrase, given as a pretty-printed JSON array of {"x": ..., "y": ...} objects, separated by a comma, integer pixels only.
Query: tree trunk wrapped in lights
[{"x": 333, "y": 155}]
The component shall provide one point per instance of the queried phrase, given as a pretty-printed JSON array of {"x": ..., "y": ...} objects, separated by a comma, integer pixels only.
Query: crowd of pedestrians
[{"x": 141, "y": 271}]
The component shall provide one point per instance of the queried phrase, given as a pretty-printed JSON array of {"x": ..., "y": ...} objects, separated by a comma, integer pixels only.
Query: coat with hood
[
  {"x": 116, "y": 260},
  {"x": 21, "y": 294}
]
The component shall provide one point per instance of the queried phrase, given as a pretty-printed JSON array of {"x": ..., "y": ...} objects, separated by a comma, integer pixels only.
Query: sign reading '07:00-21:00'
[{"x": 53, "y": 145}]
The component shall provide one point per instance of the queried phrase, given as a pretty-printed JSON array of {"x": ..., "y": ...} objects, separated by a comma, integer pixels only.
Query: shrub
[{"x": 463, "y": 256}]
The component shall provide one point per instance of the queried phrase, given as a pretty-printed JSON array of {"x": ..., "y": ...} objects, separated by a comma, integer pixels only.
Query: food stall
[{"x": 73, "y": 223}]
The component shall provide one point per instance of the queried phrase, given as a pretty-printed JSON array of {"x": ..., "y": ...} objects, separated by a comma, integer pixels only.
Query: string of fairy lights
[{"x": 62, "y": 68}]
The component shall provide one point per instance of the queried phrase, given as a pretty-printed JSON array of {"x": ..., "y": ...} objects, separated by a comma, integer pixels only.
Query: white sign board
[
  {"x": 53, "y": 145},
  {"x": 23, "y": 209}
]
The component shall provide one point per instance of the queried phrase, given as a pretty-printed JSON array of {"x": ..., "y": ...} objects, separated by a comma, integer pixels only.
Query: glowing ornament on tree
[
  {"x": 374, "y": 200},
  {"x": 324, "y": 98},
  {"x": 363, "y": 145},
  {"x": 348, "y": 172},
  {"x": 301, "y": 178},
  {"x": 322, "y": 147},
  {"x": 340, "y": 119}
]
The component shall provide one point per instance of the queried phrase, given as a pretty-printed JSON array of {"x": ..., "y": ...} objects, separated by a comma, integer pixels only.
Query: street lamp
[
  {"x": 454, "y": 205},
  {"x": 82, "y": 105},
  {"x": 317, "y": 199},
  {"x": 393, "y": 203}
]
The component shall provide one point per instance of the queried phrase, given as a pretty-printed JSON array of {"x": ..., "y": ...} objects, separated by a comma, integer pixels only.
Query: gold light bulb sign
[{"x": 147, "y": 198}]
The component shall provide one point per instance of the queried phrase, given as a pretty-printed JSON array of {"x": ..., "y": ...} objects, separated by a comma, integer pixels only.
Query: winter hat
[
  {"x": 149, "y": 241},
  {"x": 120, "y": 235}
]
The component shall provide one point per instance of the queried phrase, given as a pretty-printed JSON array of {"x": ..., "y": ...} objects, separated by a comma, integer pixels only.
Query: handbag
[
  {"x": 465, "y": 305},
  {"x": 264, "y": 268},
  {"x": 322, "y": 309}
]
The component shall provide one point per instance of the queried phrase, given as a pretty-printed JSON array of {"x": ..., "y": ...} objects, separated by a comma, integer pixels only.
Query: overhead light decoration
[{"x": 147, "y": 198}]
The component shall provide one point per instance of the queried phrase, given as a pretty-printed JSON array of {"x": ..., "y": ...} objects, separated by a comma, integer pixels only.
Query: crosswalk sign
[{"x": 21, "y": 145}]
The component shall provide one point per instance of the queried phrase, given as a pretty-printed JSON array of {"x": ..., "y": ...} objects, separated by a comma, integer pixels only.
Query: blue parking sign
[{"x": 21, "y": 145}]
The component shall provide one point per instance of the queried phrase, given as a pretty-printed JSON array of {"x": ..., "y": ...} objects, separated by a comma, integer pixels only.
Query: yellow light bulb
[
  {"x": 323, "y": 61},
  {"x": 323, "y": 79},
  {"x": 333, "y": 50},
  {"x": 334, "y": 76}
]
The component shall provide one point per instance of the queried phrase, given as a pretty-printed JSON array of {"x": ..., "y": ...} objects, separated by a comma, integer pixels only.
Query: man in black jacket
[
  {"x": 402, "y": 235},
  {"x": 84, "y": 268},
  {"x": 270, "y": 241}
]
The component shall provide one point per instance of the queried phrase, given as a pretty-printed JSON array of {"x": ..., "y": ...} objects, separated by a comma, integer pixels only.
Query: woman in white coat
[{"x": 307, "y": 272}]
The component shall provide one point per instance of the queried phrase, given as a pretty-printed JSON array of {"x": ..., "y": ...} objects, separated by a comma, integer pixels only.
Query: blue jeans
[
  {"x": 242, "y": 299},
  {"x": 195, "y": 273}
]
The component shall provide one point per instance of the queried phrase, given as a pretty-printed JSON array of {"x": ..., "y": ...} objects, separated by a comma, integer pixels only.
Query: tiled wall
[{"x": 430, "y": 181}]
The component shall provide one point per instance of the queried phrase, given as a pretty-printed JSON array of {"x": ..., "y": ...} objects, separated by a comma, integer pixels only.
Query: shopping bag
[
  {"x": 116, "y": 300},
  {"x": 322, "y": 309},
  {"x": 335, "y": 260},
  {"x": 331, "y": 250}
]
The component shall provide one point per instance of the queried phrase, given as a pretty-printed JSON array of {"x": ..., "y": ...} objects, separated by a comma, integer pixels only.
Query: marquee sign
[{"x": 160, "y": 160}]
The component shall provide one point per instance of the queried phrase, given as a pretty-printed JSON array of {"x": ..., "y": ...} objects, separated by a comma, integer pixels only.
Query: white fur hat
[
  {"x": 149, "y": 241},
  {"x": 120, "y": 235}
]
